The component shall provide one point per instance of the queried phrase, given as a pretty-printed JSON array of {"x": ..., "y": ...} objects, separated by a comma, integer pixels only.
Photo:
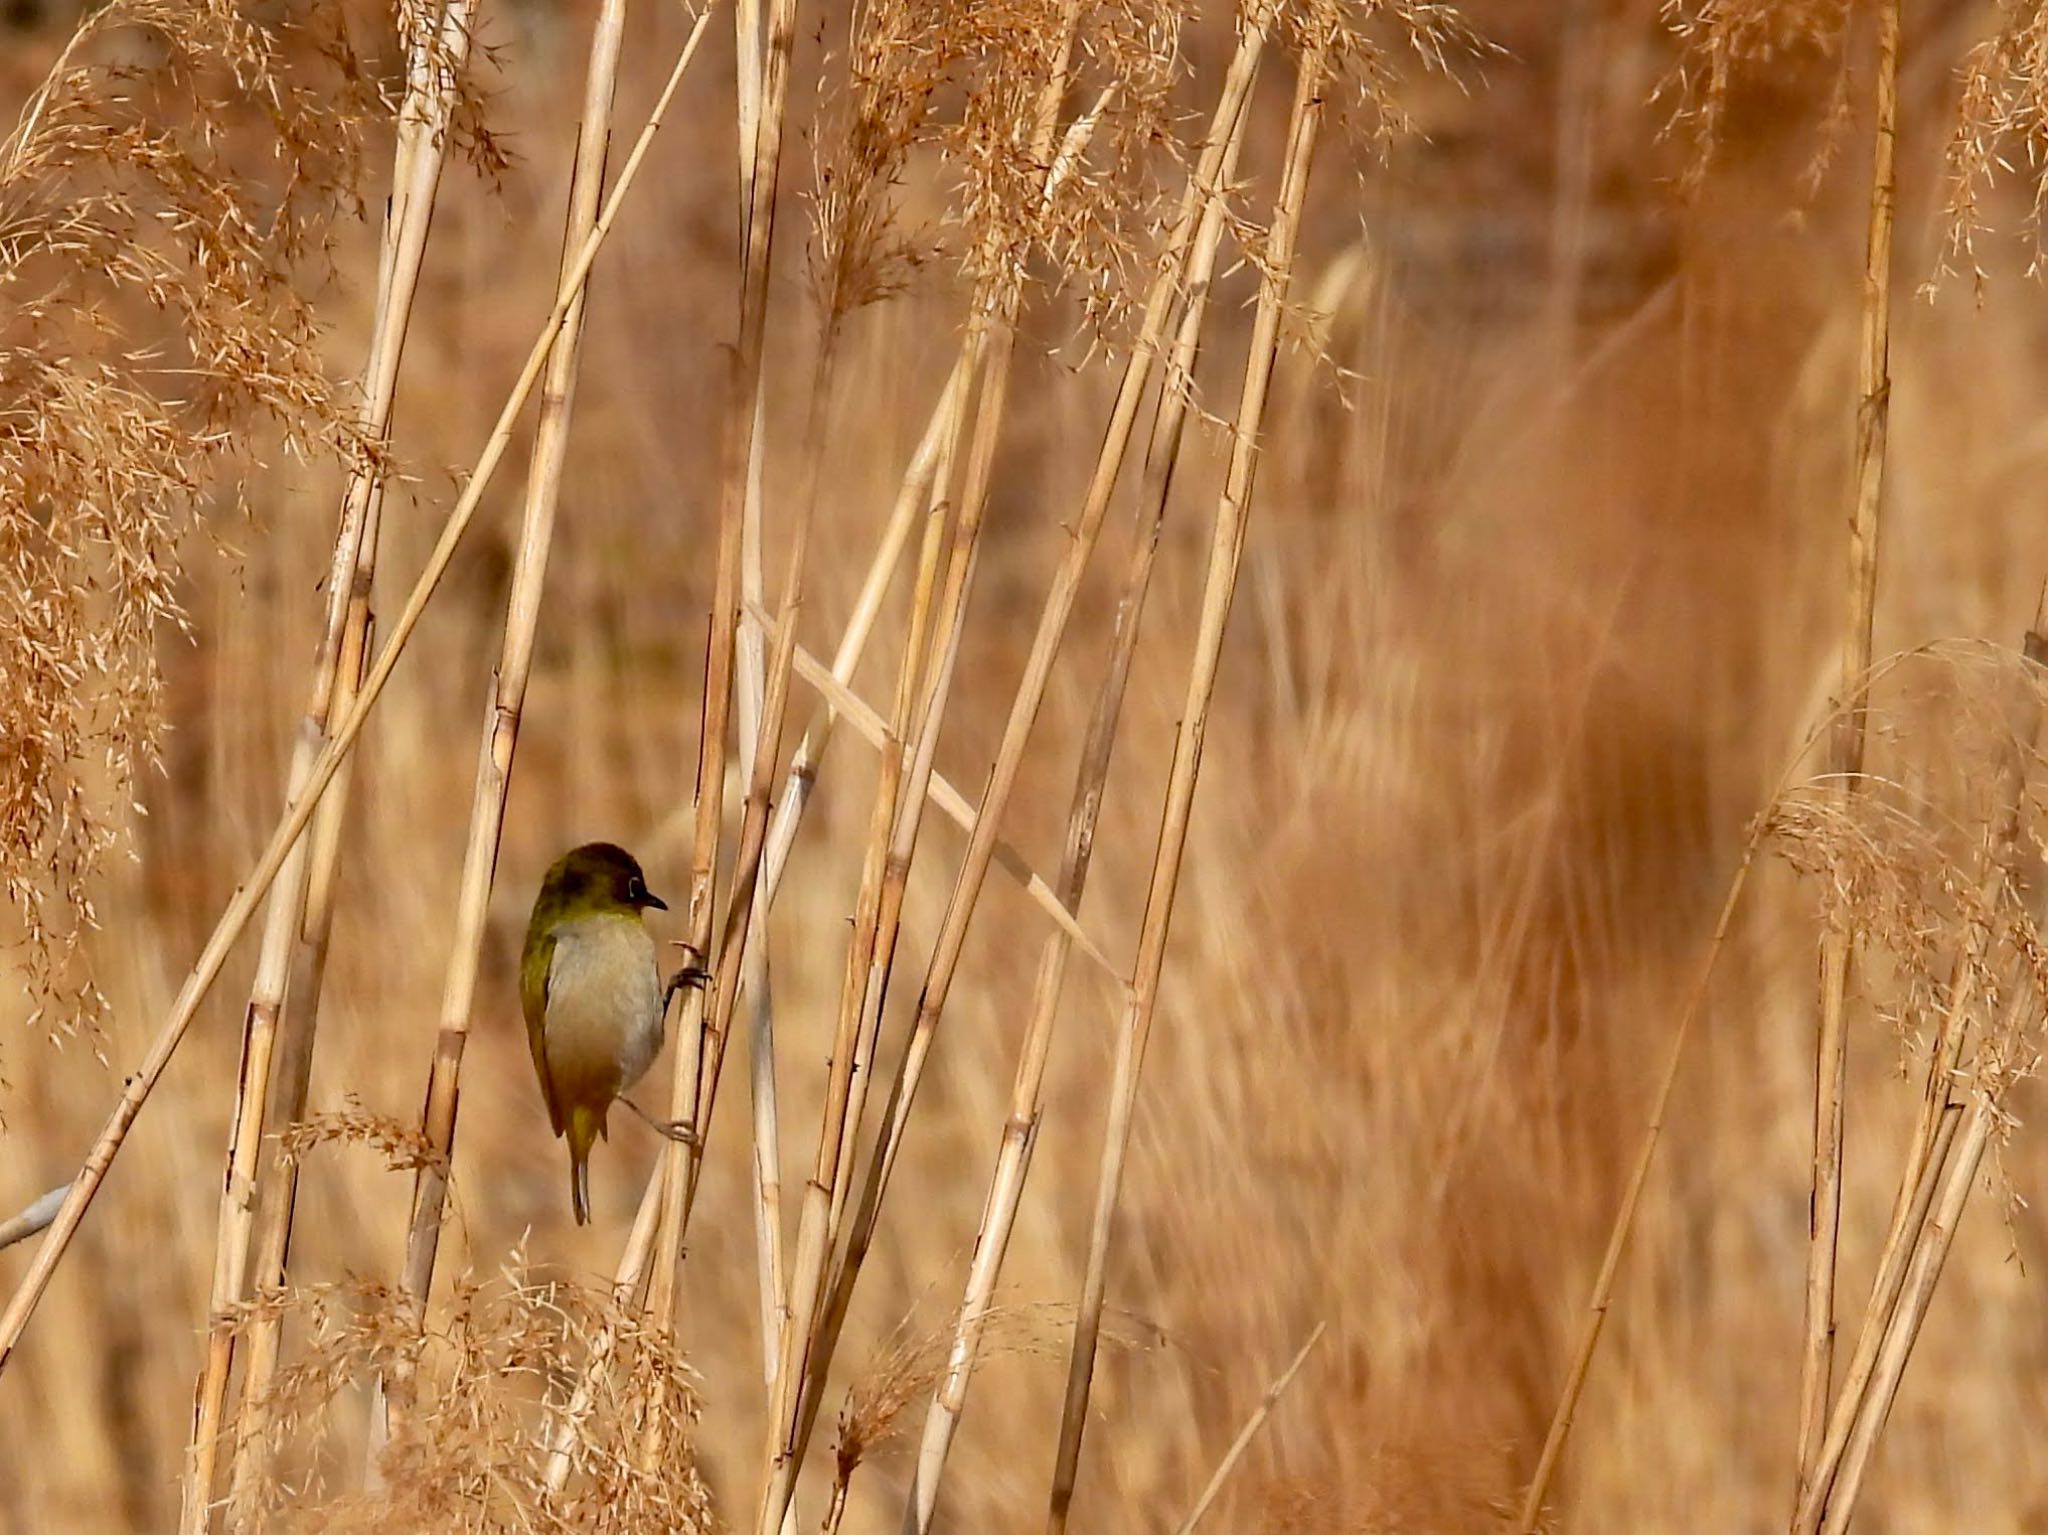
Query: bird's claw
[
  {"x": 680, "y": 1131},
  {"x": 692, "y": 974}
]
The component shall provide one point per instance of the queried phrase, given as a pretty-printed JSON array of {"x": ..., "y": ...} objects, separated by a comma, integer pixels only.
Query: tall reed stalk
[
  {"x": 276, "y": 1049},
  {"x": 500, "y": 737},
  {"x": 1019, "y": 1133},
  {"x": 631, "y": 1270},
  {"x": 1226, "y": 551},
  {"x": 1873, "y": 415},
  {"x": 693, "y": 1088},
  {"x": 800, "y": 1407}
]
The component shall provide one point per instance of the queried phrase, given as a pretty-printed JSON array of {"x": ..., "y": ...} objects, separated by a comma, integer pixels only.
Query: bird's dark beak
[{"x": 651, "y": 899}]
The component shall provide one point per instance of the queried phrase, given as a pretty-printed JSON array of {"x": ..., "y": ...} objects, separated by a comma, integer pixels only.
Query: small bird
[{"x": 592, "y": 993}]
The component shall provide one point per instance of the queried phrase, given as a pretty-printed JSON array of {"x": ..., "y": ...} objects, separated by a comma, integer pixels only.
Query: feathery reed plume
[
  {"x": 486, "y": 1372},
  {"x": 156, "y": 347},
  {"x": 437, "y": 51},
  {"x": 1993, "y": 973},
  {"x": 2001, "y": 121},
  {"x": 902, "y": 1370},
  {"x": 235, "y": 918}
]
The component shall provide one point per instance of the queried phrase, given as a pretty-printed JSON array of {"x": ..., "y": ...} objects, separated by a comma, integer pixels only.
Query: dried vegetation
[{"x": 1494, "y": 689}]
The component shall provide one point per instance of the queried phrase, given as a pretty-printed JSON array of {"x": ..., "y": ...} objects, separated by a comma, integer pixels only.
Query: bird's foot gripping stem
[
  {"x": 680, "y": 1131},
  {"x": 692, "y": 973}
]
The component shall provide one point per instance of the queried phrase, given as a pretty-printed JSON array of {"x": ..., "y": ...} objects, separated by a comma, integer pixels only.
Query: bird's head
[{"x": 595, "y": 879}]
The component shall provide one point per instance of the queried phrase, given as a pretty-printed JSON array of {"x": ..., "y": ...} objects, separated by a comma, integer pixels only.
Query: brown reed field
[{"x": 1345, "y": 694}]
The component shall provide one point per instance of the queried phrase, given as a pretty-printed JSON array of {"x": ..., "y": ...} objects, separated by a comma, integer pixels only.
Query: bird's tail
[{"x": 584, "y": 1127}]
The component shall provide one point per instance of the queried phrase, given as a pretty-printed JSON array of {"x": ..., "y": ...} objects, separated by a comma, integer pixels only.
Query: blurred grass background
[{"x": 1539, "y": 596}]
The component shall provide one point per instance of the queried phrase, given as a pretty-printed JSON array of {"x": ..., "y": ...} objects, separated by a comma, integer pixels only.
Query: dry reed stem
[
  {"x": 1248, "y": 1433},
  {"x": 1019, "y": 1132},
  {"x": 235, "y": 918},
  {"x": 897, "y": 819},
  {"x": 500, "y": 736},
  {"x": 741, "y": 905},
  {"x": 693, "y": 1089},
  {"x": 1530, "y": 1518},
  {"x": 1934, "y": 1127},
  {"x": 922, "y": 686},
  {"x": 956, "y": 807},
  {"x": 1928, "y": 1258},
  {"x": 852, "y": 1044},
  {"x": 1873, "y": 413},
  {"x": 802, "y": 778},
  {"x": 681, "y": 1161},
  {"x": 1226, "y": 551},
  {"x": 1203, "y": 185},
  {"x": 1878, "y": 1316},
  {"x": 912, "y": 497},
  {"x": 291, "y": 1075},
  {"x": 437, "y": 57},
  {"x": 749, "y": 45}
]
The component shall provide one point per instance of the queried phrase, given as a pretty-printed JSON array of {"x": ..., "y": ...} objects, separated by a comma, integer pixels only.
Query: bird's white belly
[{"x": 604, "y": 996}]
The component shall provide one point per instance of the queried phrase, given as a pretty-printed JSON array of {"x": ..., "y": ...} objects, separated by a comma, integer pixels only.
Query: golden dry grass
[{"x": 1541, "y": 593}]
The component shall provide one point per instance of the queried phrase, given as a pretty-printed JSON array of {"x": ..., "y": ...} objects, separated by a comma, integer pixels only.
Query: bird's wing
[{"x": 534, "y": 967}]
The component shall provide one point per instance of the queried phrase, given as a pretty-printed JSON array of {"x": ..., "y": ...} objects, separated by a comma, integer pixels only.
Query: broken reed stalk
[
  {"x": 1248, "y": 1433},
  {"x": 1226, "y": 551},
  {"x": 1019, "y": 1132},
  {"x": 1203, "y": 184},
  {"x": 437, "y": 56},
  {"x": 912, "y": 500},
  {"x": 1873, "y": 412},
  {"x": 1934, "y": 1128},
  {"x": 500, "y": 736},
  {"x": 241, "y": 908},
  {"x": 957, "y": 808}
]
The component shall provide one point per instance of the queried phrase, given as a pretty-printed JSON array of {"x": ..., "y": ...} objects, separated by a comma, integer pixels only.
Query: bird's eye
[{"x": 635, "y": 890}]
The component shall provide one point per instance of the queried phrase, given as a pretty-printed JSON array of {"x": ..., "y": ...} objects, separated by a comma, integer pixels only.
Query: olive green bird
[{"x": 592, "y": 993}]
